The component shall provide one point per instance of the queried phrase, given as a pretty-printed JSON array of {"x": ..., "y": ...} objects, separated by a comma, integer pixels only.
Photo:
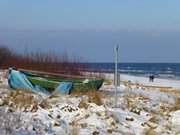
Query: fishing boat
[{"x": 35, "y": 80}]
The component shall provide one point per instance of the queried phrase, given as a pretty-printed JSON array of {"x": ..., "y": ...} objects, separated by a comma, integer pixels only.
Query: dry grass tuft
[
  {"x": 45, "y": 104},
  {"x": 170, "y": 90},
  {"x": 154, "y": 119},
  {"x": 74, "y": 128},
  {"x": 95, "y": 133},
  {"x": 83, "y": 104},
  {"x": 93, "y": 95},
  {"x": 176, "y": 105},
  {"x": 149, "y": 131},
  {"x": 21, "y": 99},
  {"x": 108, "y": 82}
]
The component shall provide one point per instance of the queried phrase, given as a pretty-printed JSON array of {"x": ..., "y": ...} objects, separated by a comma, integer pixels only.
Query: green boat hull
[{"x": 52, "y": 84}]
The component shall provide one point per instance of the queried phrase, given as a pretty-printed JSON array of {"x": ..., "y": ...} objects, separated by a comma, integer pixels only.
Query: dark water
[{"x": 161, "y": 70}]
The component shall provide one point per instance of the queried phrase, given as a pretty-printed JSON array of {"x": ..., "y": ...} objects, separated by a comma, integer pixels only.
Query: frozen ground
[{"x": 139, "y": 111}]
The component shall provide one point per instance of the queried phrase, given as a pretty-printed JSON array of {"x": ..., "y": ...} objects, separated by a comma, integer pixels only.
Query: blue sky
[{"x": 146, "y": 30}]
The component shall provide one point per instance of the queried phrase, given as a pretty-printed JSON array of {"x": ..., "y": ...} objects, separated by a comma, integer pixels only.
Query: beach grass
[{"x": 93, "y": 95}]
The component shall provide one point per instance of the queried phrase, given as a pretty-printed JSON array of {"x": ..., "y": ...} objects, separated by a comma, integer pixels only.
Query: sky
[{"x": 145, "y": 30}]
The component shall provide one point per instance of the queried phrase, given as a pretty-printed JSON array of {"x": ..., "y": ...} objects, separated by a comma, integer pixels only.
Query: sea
[{"x": 159, "y": 70}]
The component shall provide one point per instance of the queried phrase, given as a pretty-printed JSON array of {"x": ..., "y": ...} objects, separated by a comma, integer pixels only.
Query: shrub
[
  {"x": 4, "y": 55},
  {"x": 39, "y": 60}
]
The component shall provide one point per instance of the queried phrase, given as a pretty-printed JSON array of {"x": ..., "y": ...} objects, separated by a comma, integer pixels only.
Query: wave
[
  {"x": 162, "y": 70},
  {"x": 135, "y": 71}
]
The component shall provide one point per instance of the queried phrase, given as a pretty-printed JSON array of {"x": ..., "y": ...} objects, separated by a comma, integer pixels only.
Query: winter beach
[
  {"x": 89, "y": 67},
  {"x": 143, "y": 108}
]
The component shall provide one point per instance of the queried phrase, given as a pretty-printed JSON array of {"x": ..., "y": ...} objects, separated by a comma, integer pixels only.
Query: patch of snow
[{"x": 175, "y": 120}]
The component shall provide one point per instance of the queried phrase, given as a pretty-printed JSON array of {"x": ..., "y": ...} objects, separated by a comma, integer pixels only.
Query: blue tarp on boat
[
  {"x": 19, "y": 80},
  {"x": 64, "y": 87}
]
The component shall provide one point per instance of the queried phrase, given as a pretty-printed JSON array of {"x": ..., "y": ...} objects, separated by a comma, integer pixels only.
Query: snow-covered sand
[
  {"x": 139, "y": 111},
  {"x": 145, "y": 80},
  {"x": 157, "y": 81}
]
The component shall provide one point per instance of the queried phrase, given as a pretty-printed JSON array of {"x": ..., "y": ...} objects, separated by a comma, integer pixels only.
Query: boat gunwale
[{"x": 59, "y": 75}]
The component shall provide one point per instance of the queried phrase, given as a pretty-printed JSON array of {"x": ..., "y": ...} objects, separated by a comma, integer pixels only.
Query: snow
[
  {"x": 145, "y": 80},
  {"x": 175, "y": 120},
  {"x": 139, "y": 111}
]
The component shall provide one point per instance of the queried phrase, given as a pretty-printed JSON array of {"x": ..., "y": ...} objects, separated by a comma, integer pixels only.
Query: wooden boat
[{"x": 50, "y": 81}]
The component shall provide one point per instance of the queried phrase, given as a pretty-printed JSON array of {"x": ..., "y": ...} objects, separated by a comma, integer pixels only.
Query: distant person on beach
[{"x": 151, "y": 78}]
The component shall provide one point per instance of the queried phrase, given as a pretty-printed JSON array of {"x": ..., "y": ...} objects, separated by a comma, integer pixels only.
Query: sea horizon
[{"x": 160, "y": 70}]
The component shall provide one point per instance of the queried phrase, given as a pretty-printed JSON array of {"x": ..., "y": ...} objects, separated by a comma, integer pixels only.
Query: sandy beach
[
  {"x": 144, "y": 81},
  {"x": 157, "y": 82},
  {"x": 142, "y": 109}
]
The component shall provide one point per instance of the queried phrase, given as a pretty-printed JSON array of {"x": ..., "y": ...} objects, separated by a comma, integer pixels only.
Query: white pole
[{"x": 116, "y": 72}]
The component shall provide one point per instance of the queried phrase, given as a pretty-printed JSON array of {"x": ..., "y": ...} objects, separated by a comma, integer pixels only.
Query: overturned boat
[{"x": 49, "y": 82}]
